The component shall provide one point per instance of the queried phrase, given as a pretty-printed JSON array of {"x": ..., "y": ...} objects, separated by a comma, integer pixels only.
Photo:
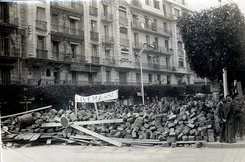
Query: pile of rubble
[{"x": 169, "y": 122}]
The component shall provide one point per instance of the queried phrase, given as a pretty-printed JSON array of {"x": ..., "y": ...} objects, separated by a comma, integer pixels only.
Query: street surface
[{"x": 61, "y": 153}]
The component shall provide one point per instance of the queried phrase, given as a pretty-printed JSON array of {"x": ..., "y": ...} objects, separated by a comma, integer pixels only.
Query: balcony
[
  {"x": 136, "y": 3},
  {"x": 107, "y": 17},
  {"x": 95, "y": 60},
  {"x": 66, "y": 57},
  {"x": 10, "y": 52},
  {"x": 10, "y": 21},
  {"x": 151, "y": 28},
  {"x": 42, "y": 54},
  {"x": 93, "y": 11},
  {"x": 75, "y": 8},
  {"x": 58, "y": 32},
  {"x": 123, "y": 20},
  {"x": 42, "y": 25},
  {"x": 124, "y": 42},
  {"x": 157, "y": 49},
  {"x": 107, "y": 41},
  {"x": 94, "y": 36},
  {"x": 109, "y": 61},
  {"x": 154, "y": 66}
]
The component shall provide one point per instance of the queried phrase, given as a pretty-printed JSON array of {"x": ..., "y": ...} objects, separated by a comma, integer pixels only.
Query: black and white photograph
[{"x": 122, "y": 80}]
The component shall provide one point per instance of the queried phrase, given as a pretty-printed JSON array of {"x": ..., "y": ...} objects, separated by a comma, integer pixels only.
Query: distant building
[{"x": 93, "y": 42}]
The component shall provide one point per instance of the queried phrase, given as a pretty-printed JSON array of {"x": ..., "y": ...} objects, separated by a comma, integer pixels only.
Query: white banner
[{"x": 97, "y": 98}]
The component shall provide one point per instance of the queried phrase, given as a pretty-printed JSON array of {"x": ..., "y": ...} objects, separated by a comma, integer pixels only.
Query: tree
[{"x": 214, "y": 39}]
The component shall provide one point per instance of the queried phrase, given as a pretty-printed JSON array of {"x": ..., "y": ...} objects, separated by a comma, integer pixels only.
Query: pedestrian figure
[
  {"x": 238, "y": 113},
  {"x": 220, "y": 112},
  {"x": 229, "y": 116}
]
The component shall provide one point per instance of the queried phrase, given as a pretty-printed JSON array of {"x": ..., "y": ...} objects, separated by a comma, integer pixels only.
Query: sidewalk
[{"x": 238, "y": 144}]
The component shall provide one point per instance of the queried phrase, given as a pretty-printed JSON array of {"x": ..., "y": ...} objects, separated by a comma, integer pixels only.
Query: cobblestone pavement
[{"x": 63, "y": 153}]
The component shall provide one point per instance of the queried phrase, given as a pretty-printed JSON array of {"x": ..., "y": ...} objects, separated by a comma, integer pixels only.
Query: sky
[{"x": 203, "y": 4}]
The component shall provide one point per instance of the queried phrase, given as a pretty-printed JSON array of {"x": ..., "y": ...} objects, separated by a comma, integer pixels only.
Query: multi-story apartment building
[
  {"x": 90, "y": 42},
  {"x": 10, "y": 44}
]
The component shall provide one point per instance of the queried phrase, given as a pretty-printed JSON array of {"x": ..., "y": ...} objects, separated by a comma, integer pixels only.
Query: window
[
  {"x": 166, "y": 45},
  {"x": 4, "y": 13},
  {"x": 73, "y": 50},
  {"x": 158, "y": 77},
  {"x": 156, "y": 43},
  {"x": 5, "y": 74},
  {"x": 165, "y": 26},
  {"x": 41, "y": 14},
  {"x": 147, "y": 2},
  {"x": 123, "y": 30},
  {"x": 122, "y": 14},
  {"x": 147, "y": 37},
  {"x": 136, "y": 39},
  {"x": 135, "y": 17},
  {"x": 168, "y": 79},
  {"x": 93, "y": 25},
  {"x": 72, "y": 26},
  {"x": 4, "y": 44},
  {"x": 106, "y": 32},
  {"x": 94, "y": 3},
  {"x": 94, "y": 50},
  {"x": 156, "y": 4},
  {"x": 179, "y": 45},
  {"x": 150, "y": 78},
  {"x": 181, "y": 63},
  {"x": 176, "y": 12},
  {"x": 40, "y": 42},
  {"x": 55, "y": 49},
  {"x": 138, "y": 78},
  {"x": 55, "y": 19},
  {"x": 164, "y": 10},
  {"x": 48, "y": 72},
  {"x": 183, "y": 2},
  {"x": 108, "y": 76},
  {"x": 107, "y": 54},
  {"x": 105, "y": 9},
  {"x": 146, "y": 21}
]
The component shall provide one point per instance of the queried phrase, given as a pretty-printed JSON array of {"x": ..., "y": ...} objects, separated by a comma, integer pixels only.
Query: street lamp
[{"x": 141, "y": 70}]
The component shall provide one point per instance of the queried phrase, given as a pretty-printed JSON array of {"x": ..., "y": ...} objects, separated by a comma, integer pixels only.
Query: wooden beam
[
  {"x": 36, "y": 136},
  {"x": 41, "y": 108},
  {"x": 45, "y": 125},
  {"x": 103, "y": 138}
]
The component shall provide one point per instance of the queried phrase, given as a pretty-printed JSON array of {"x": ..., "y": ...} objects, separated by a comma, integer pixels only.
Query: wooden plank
[
  {"x": 103, "y": 138},
  {"x": 83, "y": 137},
  {"x": 28, "y": 136},
  {"x": 36, "y": 136},
  {"x": 46, "y": 125},
  {"x": 48, "y": 141},
  {"x": 41, "y": 108},
  {"x": 20, "y": 136}
]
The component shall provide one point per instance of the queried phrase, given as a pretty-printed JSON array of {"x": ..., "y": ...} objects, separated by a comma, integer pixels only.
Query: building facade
[{"x": 93, "y": 42}]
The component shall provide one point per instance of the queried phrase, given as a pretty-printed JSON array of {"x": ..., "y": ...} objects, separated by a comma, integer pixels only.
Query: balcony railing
[
  {"x": 136, "y": 3},
  {"x": 41, "y": 25},
  {"x": 156, "y": 66},
  {"x": 42, "y": 53},
  {"x": 93, "y": 11},
  {"x": 10, "y": 52},
  {"x": 11, "y": 20},
  {"x": 109, "y": 61},
  {"x": 106, "y": 40},
  {"x": 94, "y": 36},
  {"x": 107, "y": 17},
  {"x": 74, "y": 6},
  {"x": 95, "y": 59},
  {"x": 67, "y": 57},
  {"x": 158, "y": 49},
  {"x": 66, "y": 30},
  {"x": 124, "y": 41},
  {"x": 123, "y": 20},
  {"x": 150, "y": 27}
]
